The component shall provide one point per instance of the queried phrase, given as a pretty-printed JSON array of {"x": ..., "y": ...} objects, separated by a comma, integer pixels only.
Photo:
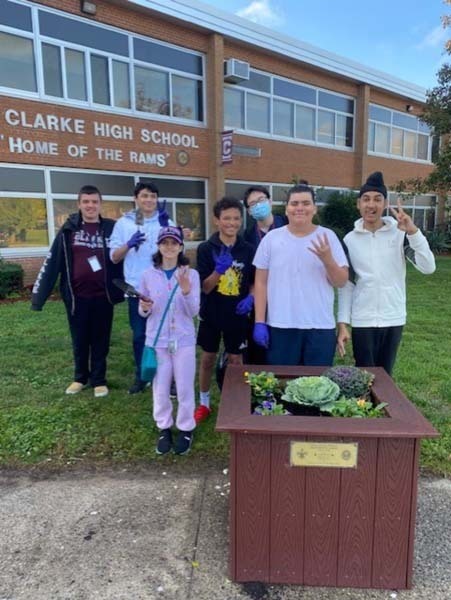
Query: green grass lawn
[{"x": 39, "y": 424}]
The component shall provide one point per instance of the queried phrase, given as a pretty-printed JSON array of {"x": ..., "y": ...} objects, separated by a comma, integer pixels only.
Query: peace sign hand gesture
[{"x": 405, "y": 222}]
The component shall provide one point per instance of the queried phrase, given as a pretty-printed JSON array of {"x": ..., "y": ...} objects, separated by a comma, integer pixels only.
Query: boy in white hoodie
[{"x": 374, "y": 299}]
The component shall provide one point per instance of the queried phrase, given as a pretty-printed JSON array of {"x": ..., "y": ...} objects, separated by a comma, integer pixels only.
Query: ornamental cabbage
[
  {"x": 352, "y": 381},
  {"x": 312, "y": 391}
]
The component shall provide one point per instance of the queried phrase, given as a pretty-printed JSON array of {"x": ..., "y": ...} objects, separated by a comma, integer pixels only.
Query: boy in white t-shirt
[{"x": 298, "y": 267}]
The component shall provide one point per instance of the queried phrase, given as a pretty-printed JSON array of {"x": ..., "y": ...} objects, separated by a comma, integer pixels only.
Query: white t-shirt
[{"x": 299, "y": 293}]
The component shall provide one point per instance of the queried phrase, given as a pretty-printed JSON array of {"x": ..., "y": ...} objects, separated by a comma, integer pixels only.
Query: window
[
  {"x": 397, "y": 134},
  {"x": 23, "y": 222},
  {"x": 17, "y": 63},
  {"x": 292, "y": 110},
  {"x": 97, "y": 65}
]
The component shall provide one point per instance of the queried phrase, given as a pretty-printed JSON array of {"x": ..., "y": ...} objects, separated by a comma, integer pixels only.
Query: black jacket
[
  {"x": 59, "y": 262},
  {"x": 219, "y": 305}
]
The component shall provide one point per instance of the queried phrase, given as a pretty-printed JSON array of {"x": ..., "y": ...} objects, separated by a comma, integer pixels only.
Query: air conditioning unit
[{"x": 236, "y": 70}]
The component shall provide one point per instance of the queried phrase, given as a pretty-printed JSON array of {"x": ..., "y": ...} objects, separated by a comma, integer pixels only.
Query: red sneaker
[{"x": 201, "y": 413}]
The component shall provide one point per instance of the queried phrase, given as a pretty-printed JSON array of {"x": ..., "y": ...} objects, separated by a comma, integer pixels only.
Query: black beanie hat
[{"x": 374, "y": 183}]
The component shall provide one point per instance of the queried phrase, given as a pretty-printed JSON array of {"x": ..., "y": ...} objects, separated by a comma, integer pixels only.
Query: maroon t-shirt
[{"x": 87, "y": 244}]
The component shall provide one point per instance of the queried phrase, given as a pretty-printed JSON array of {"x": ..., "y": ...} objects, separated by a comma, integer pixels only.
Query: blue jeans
[
  {"x": 309, "y": 347},
  {"x": 138, "y": 326}
]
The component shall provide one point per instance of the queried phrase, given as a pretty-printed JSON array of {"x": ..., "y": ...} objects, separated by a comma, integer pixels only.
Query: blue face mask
[{"x": 260, "y": 211}]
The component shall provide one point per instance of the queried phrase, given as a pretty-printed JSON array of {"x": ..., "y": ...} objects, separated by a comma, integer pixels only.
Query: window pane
[
  {"x": 75, "y": 74},
  {"x": 423, "y": 145},
  {"x": 100, "y": 79},
  {"x": 294, "y": 91},
  {"x": 257, "y": 113},
  {"x": 79, "y": 32},
  {"x": 21, "y": 180},
  {"x": 336, "y": 102},
  {"x": 326, "y": 127},
  {"x": 344, "y": 131},
  {"x": 192, "y": 216},
  {"x": 23, "y": 223},
  {"x": 424, "y": 127},
  {"x": 371, "y": 136},
  {"x": 151, "y": 91},
  {"x": 236, "y": 189},
  {"x": 257, "y": 81},
  {"x": 121, "y": 84},
  {"x": 15, "y": 15},
  {"x": 382, "y": 139},
  {"x": 160, "y": 54},
  {"x": 67, "y": 182},
  {"x": 418, "y": 218},
  {"x": 380, "y": 114},
  {"x": 305, "y": 123},
  {"x": 178, "y": 188},
  {"x": 53, "y": 82},
  {"x": 233, "y": 108},
  {"x": 279, "y": 194},
  {"x": 405, "y": 121},
  {"x": 396, "y": 141},
  {"x": 283, "y": 118},
  {"x": 410, "y": 144},
  {"x": 186, "y": 98},
  {"x": 111, "y": 209},
  {"x": 17, "y": 63}
]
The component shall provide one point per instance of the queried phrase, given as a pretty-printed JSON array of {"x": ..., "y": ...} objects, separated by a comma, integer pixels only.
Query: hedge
[{"x": 11, "y": 278}]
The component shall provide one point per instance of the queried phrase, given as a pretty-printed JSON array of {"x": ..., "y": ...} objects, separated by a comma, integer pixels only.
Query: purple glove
[
  {"x": 245, "y": 305},
  {"x": 136, "y": 240},
  {"x": 163, "y": 217},
  {"x": 223, "y": 261},
  {"x": 261, "y": 334}
]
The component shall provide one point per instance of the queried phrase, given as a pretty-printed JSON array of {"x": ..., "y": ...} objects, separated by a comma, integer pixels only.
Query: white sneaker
[
  {"x": 75, "y": 387},
  {"x": 100, "y": 391}
]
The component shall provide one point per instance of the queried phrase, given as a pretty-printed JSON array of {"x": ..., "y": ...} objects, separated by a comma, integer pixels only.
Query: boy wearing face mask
[{"x": 259, "y": 206}]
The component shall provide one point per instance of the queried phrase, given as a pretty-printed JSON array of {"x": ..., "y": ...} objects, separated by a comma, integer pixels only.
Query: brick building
[{"x": 111, "y": 92}]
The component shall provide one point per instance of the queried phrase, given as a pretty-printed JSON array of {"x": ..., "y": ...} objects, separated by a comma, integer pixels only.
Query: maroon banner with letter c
[{"x": 227, "y": 146}]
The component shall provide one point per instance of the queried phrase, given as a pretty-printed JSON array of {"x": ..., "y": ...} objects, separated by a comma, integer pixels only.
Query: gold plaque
[
  {"x": 323, "y": 454},
  {"x": 182, "y": 157}
]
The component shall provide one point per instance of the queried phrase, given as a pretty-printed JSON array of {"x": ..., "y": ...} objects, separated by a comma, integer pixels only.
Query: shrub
[
  {"x": 439, "y": 241},
  {"x": 11, "y": 278},
  {"x": 340, "y": 212}
]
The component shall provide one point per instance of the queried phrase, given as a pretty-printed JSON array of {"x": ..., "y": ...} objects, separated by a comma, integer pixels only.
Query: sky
[{"x": 403, "y": 38}]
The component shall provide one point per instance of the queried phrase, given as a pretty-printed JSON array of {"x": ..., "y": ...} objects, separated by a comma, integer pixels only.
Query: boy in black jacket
[
  {"x": 80, "y": 256},
  {"x": 224, "y": 263}
]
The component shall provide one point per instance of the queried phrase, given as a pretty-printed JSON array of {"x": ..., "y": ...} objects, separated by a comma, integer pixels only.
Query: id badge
[
  {"x": 94, "y": 264},
  {"x": 172, "y": 347}
]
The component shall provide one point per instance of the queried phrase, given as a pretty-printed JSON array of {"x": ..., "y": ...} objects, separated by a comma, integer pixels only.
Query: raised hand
[
  {"x": 163, "y": 216},
  {"x": 136, "y": 240},
  {"x": 245, "y": 305},
  {"x": 182, "y": 276},
  {"x": 223, "y": 260},
  {"x": 405, "y": 222},
  {"x": 320, "y": 247}
]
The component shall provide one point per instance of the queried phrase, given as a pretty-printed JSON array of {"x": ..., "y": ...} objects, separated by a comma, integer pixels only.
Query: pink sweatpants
[{"x": 181, "y": 366}]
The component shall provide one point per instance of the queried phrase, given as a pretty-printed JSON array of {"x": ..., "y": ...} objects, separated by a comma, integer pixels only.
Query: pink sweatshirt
[{"x": 178, "y": 324}]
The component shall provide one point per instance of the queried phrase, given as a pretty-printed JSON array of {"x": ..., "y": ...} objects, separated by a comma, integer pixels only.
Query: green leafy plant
[
  {"x": 357, "y": 407},
  {"x": 262, "y": 384},
  {"x": 11, "y": 278},
  {"x": 320, "y": 392},
  {"x": 352, "y": 381}
]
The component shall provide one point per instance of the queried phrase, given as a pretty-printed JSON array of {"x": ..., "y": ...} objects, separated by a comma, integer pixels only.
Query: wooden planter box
[{"x": 322, "y": 526}]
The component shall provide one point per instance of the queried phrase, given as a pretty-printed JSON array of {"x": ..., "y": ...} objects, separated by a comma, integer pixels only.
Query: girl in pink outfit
[{"x": 176, "y": 344}]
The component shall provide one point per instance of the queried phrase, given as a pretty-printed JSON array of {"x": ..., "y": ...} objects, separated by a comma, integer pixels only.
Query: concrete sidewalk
[{"x": 160, "y": 532}]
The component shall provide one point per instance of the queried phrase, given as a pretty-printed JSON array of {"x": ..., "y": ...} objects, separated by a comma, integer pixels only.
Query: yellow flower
[
  {"x": 246, "y": 374},
  {"x": 361, "y": 402}
]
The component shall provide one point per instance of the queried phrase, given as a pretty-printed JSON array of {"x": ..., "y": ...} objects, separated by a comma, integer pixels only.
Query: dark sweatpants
[
  {"x": 376, "y": 346},
  {"x": 90, "y": 328}
]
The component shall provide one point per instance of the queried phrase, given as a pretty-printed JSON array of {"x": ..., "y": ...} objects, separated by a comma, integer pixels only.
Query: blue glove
[
  {"x": 163, "y": 217},
  {"x": 223, "y": 261},
  {"x": 245, "y": 305},
  {"x": 136, "y": 240},
  {"x": 261, "y": 334}
]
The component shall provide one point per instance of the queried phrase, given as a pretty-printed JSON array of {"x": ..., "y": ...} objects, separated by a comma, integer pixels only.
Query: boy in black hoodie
[
  {"x": 224, "y": 263},
  {"x": 79, "y": 254}
]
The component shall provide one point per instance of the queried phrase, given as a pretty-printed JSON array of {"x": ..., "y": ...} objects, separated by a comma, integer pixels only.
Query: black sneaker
[
  {"x": 183, "y": 442},
  {"x": 137, "y": 387},
  {"x": 164, "y": 442}
]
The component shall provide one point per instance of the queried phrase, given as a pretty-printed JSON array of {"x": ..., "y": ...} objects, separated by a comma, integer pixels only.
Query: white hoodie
[{"x": 378, "y": 296}]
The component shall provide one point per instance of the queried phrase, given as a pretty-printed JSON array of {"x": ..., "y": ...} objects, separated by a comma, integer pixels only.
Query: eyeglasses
[{"x": 257, "y": 201}]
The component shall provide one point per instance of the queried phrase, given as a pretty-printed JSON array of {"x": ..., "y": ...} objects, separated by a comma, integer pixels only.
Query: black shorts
[{"x": 234, "y": 336}]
